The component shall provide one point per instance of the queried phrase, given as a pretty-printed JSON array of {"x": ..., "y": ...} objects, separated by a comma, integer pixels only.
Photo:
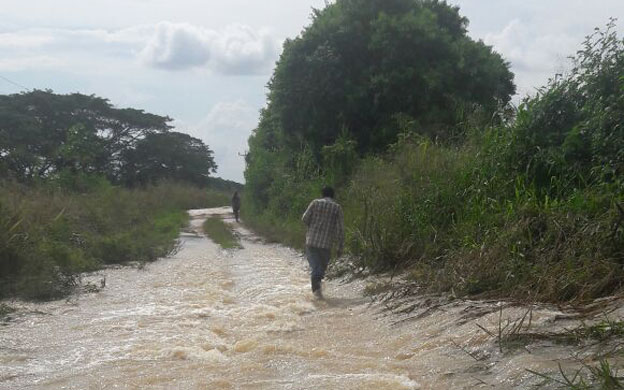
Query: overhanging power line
[{"x": 14, "y": 83}]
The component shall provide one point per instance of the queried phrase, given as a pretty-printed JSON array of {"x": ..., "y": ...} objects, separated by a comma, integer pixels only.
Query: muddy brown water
[{"x": 206, "y": 318}]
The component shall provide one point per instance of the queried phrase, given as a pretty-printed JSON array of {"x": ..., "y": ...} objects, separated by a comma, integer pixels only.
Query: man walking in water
[
  {"x": 236, "y": 203},
  {"x": 325, "y": 224}
]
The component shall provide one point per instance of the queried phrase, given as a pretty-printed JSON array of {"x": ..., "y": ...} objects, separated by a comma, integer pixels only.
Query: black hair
[{"x": 327, "y": 192}]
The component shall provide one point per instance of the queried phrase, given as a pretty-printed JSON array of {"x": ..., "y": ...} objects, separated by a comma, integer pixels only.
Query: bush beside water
[
  {"x": 48, "y": 234},
  {"x": 529, "y": 206}
]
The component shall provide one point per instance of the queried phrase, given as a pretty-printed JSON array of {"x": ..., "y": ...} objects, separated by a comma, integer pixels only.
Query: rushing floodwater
[{"x": 206, "y": 318}]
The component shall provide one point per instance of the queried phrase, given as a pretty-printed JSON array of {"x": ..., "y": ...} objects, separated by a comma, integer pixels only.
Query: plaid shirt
[{"x": 325, "y": 223}]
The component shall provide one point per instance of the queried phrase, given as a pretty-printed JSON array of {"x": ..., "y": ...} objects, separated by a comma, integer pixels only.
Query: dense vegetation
[
  {"x": 364, "y": 71},
  {"x": 463, "y": 192},
  {"x": 49, "y": 236},
  {"x": 84, "y": 184}
]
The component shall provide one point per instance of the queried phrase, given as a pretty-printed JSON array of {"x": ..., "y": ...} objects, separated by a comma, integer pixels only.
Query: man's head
[{"x": 327, "y": 192}]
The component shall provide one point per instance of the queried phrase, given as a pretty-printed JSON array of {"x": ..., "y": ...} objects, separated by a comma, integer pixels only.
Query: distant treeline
[
  {"x": 392, "y": 103},
  {"x": 219, "y": 184},
  {"x": 48, "y": 136}
]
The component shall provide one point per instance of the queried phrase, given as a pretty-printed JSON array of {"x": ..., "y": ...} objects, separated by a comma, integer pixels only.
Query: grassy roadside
[
  {"x": 455, "y": 221},
  {"x": 221, "y": 233},
  {"x": 48, "y": 235},
  {"x": 289, "y": 232}
]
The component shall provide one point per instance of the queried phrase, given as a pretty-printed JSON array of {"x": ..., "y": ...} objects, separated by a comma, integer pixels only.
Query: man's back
[
  {"x": 236, "y": 202},
  {"x": 325, "y": 223}
]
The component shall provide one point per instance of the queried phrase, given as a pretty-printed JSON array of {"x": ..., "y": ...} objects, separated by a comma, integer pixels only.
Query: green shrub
[
  {"x": 433, "y": 209},
  {"x": 49, "y": 233},
  {"x": 569, "y": 135}
]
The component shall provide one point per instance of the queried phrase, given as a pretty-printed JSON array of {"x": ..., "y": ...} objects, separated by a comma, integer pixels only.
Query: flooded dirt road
[{"x": 206, "y": 318}]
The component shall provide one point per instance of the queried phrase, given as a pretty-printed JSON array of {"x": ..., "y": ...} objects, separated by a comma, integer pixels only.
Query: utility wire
[{"x": 14, "y": 83}]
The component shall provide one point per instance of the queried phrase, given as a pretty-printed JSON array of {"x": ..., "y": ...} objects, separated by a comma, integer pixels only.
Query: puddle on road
[{"x": 206, "y": 318}]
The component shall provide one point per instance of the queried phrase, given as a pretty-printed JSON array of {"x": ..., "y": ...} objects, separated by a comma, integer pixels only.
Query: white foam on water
[
  {"x": 194, "y": 353},
  {"x": 284, "y": 326},
  {"x": 367, "y": 381}
]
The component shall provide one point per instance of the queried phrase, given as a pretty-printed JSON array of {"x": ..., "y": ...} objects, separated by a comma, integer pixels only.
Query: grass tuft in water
[
  {"x": 5, "y": 310},
  {"x": 597, "y": 377},
  {"x": 221, "y": 233}
]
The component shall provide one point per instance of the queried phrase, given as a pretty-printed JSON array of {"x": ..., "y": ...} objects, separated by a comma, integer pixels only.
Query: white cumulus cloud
[
  {"x": 535, "y": 54},
  {"x": 530, "y": 49},
  {"x": 236, "y": 50},
  {"x": 177, "y": 46}
]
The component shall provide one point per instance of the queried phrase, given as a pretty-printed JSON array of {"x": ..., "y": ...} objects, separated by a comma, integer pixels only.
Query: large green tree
[
  {"x": 42, "y": 133},
  {"x": 364, "y": 65},
  {"x": 360, "y": 74},
  {"x": 170, "y": 155}
]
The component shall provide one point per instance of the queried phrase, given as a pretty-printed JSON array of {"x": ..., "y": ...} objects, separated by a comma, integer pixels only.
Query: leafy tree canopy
[
  {"x": 362, "y": 64},
  {"x": 169, "y": 155},
  {"x": 360, "y": 74},
  {"x": 43, "y": 135}
]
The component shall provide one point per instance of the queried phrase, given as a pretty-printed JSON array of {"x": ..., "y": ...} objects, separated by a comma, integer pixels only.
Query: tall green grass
[
  {"x": 48, "y": 235},
  {"x": 221, "y": 233},
  {"x": 437, "y": 212},
  {"x": 456, "y": 222},
  {"x": 530, "y": 206}
]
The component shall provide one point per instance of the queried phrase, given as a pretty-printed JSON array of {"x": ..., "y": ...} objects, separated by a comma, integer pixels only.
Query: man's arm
[
  {"x": 340, "y": 232},
  {"x": 307, "y": 216}
]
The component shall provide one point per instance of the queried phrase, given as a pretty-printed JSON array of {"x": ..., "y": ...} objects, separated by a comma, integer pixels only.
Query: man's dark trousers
[{"x": 318, "y": 258}]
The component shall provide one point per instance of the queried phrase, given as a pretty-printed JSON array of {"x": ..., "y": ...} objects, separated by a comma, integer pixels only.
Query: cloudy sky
[{"x": 206, "y": 63}]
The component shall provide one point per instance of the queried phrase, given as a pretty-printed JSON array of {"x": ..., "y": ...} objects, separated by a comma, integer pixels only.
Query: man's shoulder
[{"x": 328, "y": 201}]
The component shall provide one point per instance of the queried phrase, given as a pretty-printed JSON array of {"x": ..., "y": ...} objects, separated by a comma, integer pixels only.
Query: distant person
[
  {"x": 325, "y": 224},
  {"x": 236, "y": 204}
]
